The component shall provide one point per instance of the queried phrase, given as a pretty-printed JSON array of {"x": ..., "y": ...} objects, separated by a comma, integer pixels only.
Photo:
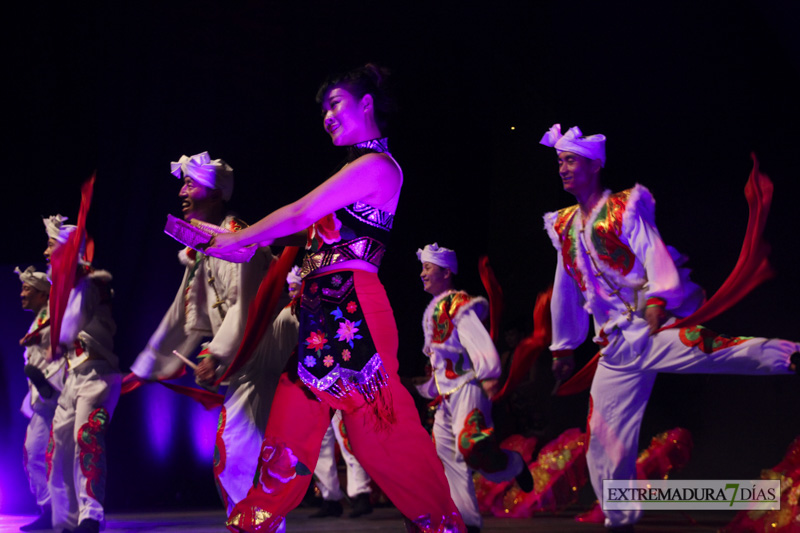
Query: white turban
[
  {"x": 56, "y": 229},
  {"x": 212, "y": 173},
  {"x": 593, "y": 146},
  {"x": 294, "y": 275},
  {"x": 37, "y": 280},
  {"x": 443, "y": 257}
]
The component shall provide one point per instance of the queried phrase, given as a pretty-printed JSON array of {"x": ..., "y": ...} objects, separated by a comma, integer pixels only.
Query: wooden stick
[{"x": 185, "y": 359}]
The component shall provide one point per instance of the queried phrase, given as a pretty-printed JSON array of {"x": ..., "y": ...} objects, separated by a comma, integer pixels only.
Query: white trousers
[
  {"x": 327, "y": 473},
  {"x": 37, "y": 436},
  {"x": 623, "y": 383},
  {"x": 237, "y": 447},
  {"x": 451, "y": 417},
  {"x": 77, "y": 474},
  {"x": 243, "y": 419}
]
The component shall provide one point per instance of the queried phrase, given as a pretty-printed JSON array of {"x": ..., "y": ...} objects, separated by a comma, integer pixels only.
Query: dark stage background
[{"x": 684, "y": 91}]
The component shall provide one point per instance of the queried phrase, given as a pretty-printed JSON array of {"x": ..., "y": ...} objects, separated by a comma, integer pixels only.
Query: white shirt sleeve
[
  {"x": 478, "y": 343},
  {"x": 570, "y": 319}
]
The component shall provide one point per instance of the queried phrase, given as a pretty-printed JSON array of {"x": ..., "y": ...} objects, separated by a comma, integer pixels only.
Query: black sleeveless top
[{"x": 357, "y": 231}]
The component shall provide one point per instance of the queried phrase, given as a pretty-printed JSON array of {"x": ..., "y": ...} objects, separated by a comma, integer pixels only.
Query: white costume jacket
[
  {"x": 457, "y": 343},
  {"x": 202, "y": 309},
  {"x": 609, "y": 264},
  {"x": 87, "y": 327}
]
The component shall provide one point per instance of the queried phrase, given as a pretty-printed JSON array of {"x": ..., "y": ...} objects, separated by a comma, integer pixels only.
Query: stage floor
[{"x": 388, "y": 520}]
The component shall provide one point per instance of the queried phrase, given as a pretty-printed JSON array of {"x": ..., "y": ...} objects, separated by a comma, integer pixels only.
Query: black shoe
[
  {"x": 473, "y": 529},
  {"x": 329, "y": 508},
  {"x": 361, "y": 505},
  {"x": 45, "y": 521},
  {"x": 87, "y": 526},
  {"x": 39, "y": 381},
  {"x": 525, "y": 479}
]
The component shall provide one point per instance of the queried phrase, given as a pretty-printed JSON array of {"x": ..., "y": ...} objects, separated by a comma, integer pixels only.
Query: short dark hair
[{"x": 369, "y": 79}]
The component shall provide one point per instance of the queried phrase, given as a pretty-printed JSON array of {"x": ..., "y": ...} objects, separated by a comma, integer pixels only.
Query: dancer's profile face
[
  {"x": 435, "y": 279},
  {"x": 344, "y": 116},
  {"x": 578, "y": 173},
  {"x": 52, "y": 246},
  {"x": 196, "y": 199},
  {"x": 32, "y": 299},
  {"x": 294, "y": 289}
]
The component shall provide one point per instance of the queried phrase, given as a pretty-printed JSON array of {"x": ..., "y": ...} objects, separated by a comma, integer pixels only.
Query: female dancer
[{"x": 347, "y": 352}]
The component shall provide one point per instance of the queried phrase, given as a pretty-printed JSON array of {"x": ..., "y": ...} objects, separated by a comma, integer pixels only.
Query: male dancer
[
  {"x": 213, "y": 301},
  {"x": 45, "y": 381},
  {"x": 465, "y": 370},
  {"x": 77, "y": 451},
  {"x": 613, "y": 265}
]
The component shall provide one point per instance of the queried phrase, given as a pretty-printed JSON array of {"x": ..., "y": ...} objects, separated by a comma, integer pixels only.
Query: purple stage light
[
  {"x": 204, "y": 431},
  {"x": 160, "y": 409}
]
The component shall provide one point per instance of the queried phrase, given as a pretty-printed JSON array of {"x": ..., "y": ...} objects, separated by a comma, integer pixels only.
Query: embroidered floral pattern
[
  {"x": 276, "y": 465},
  {"x": 606, "y": 231},
  {"x": 453, "y": 373},
  {"x": 567, "y": 234},
  {"x": 309, "y": 361},
  {"x": 236, "y": 224},
  {"x": 345, "y": 438},
  {"x": 48, "y": 453},
  {"x": 443, "y": 314},
  {"x": 477, "y": 443},
  {"x": 91, "y": 441},
  {"x": 706, "y": 340},
  {"x": 314, "y": 288},
  {"x": 336, "y": 280},
  {"x": 316, "y": 342},
  {"x": 347, "y": 331},
  {"x": 439, "y": 524},
  {"x": 348, "y": 360},
  {"x": 220, "y": 456}
]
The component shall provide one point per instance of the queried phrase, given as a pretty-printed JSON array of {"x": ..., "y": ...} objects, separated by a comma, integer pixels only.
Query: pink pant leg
[
  {"x": 402, "y": 460},
  {"x": 297, "y": 423}
]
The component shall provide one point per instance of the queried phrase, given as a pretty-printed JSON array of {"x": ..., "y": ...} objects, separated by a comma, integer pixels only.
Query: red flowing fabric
[
  {"x": 751, "y": 270},
  {"x": 582, "y": 379},
  {"x": 529, "y": 349},
  {"x": 495, "y": 292},
  {"x": 207, "y": 399},
  {"x": 261, "y": 309},
  {"x": 63, "y": 265}
]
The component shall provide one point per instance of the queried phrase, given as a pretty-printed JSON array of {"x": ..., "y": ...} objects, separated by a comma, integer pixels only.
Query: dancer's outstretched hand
[{"x": 222, "y": 245}]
